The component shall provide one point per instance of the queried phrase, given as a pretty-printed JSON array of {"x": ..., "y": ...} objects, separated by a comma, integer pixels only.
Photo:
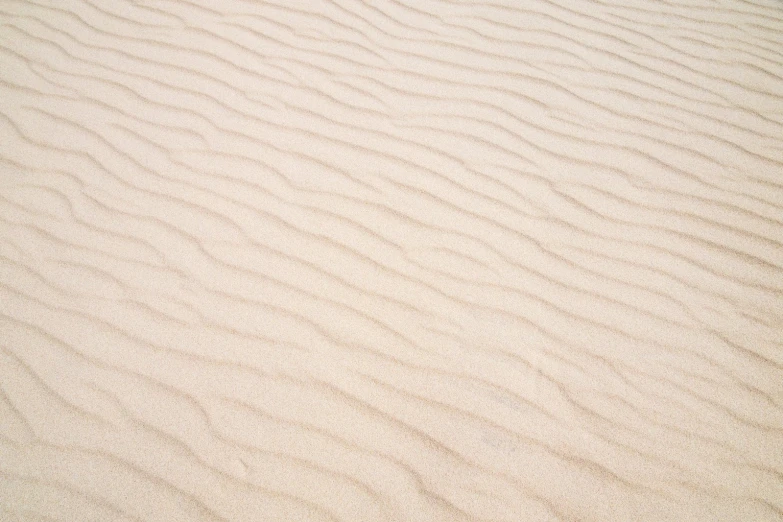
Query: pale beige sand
[{"x": 391, "y": 260}]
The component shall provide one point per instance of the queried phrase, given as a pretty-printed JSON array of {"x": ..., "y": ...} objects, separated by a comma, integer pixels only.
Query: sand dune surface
[{"x": 352, "y": 260}]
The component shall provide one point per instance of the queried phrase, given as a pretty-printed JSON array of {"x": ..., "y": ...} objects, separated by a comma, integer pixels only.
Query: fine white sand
[{"x": 350, "y": 260}]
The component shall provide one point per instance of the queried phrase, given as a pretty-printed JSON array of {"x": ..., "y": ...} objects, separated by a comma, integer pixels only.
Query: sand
[{"x": 347, "y": 260}]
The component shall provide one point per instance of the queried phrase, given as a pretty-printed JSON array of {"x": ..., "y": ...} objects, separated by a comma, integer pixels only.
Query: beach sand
[{"x": 345, "y": 260}]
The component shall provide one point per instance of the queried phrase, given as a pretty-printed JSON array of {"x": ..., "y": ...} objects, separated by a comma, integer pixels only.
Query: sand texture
[{"x": 394, "y": 260}]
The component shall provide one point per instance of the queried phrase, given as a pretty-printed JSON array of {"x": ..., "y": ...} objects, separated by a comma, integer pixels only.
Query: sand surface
[{"x": 389, "y": 260}]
